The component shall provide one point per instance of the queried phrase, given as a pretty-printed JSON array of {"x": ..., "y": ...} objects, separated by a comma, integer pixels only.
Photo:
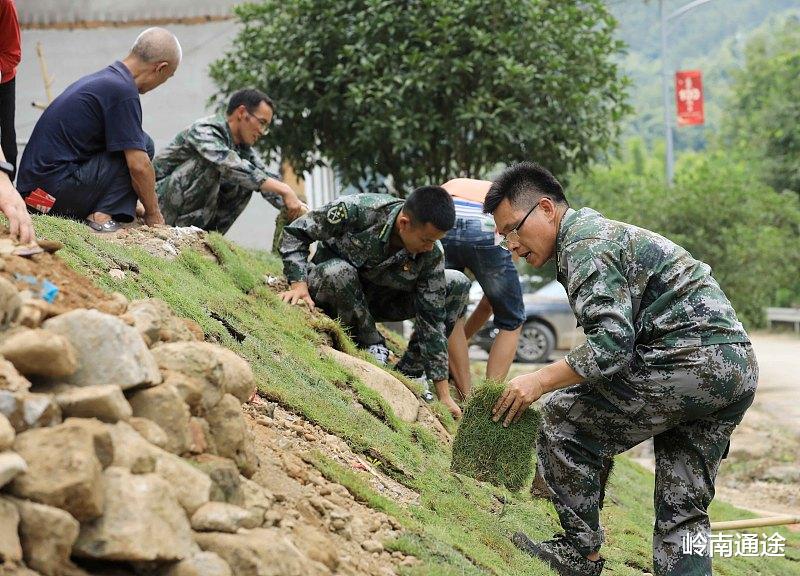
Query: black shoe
[{"x": 559, "y": 554}]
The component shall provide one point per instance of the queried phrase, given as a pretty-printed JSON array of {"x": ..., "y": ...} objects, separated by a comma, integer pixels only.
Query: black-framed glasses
[
  {"x": 262, "y": 123},
  {"x": 513, "y": 234}
]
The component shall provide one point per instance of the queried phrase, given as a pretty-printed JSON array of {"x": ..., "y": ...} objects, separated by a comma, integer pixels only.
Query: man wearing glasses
[
  {"x": 207, "y": 174},
  {"x": 665, "y": 358}
]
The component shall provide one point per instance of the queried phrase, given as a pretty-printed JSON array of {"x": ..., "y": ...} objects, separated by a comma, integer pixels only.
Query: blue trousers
[{"x": 101, "y": 184}]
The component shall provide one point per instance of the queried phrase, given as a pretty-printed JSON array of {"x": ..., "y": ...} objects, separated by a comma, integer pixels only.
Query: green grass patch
[
  {"x": 461, "y": 526},
  {"x": 485, "y": 450}
]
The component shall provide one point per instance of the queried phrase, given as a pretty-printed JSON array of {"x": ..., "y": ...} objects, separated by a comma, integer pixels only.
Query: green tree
[
  {"x": 720, "y": 211},
  {"x": 762, "y": 119},
  {"x": 427, "y": 90}
]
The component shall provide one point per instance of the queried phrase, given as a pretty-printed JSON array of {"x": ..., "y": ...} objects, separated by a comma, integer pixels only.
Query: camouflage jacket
[
  {"x": 357, "y": 229},
  {"x": 637, "y": 295},
  {"x": 190, "y": 170}
]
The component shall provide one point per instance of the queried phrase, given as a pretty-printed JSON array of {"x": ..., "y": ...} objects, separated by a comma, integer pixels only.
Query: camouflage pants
[
  {"x": 213, "y": 207},
  {"x": 689, "y": 400},
  {"x": 231, "y": 202},
  {"x": 336, "y": 287}
]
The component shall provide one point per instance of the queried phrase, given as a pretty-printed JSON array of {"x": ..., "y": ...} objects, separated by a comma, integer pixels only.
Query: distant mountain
[{"x": 710, "y": 38}]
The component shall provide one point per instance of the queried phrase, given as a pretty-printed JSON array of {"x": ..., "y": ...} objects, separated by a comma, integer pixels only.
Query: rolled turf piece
[{"x": 486, "y": 451}]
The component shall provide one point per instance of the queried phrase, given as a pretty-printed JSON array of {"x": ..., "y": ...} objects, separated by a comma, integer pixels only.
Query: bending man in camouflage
[
  {"x": 208, "y": 173},
  {"x": 379, "y": 259},
  {"x": 665, "y": 357}
]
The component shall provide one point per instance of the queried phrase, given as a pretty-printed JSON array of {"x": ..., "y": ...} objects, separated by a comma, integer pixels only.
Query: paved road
[{"x": 778, "y": 395}]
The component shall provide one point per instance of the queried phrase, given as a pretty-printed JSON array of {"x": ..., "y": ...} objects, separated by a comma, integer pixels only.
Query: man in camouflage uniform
[
  {"x": 379, "y": 259},
  {"x": 665, "y": 357},
  {"x": 208, "y": 173}
]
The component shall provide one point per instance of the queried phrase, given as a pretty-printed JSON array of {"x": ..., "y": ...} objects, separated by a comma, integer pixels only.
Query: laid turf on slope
[
  {"x": 461, "y": 525},
  {"x": 487, "y": 451}
]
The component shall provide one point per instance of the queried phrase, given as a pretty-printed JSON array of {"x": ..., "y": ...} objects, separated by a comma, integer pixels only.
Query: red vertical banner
[{"x": 689, "y": 97}]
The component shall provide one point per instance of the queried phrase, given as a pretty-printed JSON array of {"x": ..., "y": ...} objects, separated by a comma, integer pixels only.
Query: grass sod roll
[{"x": 486, "y": 451}]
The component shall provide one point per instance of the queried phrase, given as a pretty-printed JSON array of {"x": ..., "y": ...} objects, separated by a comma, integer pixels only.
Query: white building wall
[{"x": 71, "y": 54}]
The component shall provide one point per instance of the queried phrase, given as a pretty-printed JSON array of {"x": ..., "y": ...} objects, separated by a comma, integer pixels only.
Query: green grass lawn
[{"x": 461, "y": 526}]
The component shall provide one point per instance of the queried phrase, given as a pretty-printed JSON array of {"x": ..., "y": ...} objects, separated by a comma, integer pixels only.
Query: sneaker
[
  {"x": 380, "y": 353},
  {"x": 560, "y": 555},
  {"x": 426, "y": 395}
]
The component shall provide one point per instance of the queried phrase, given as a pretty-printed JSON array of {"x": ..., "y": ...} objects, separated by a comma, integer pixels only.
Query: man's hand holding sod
[{"x": 526, "y": 389}]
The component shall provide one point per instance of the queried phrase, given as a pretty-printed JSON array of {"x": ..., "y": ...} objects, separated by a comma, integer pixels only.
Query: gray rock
[
  {"x": 103, "y": 447},
  {"x": 164, "y": 406},
  {"x": 219, "y": 367},
  {"x": 156, "y": 322},
  {"x": 402, "y": 400},
  {"x": 201, "y": 564},
  {"x": 317, "y": 545},
  {"x": 105, "y": 402},
  {"x": 257, "y": 499},
  {"x": 149, "y": 430},
  {"x": 372, "y": 546},
  {"x": 259, "y": 552},
  {"x": 224, "y": 474},
  {"x": 11, "y": 464},
  {"x": 231, "y": 437},
  {"x": 6, "y": 433},
  {"x": 47, "y": 535},
  {"x": 108, "y": 350},
  {"x": 10, "y": 303},
  {"x": 131, "y": 450},
  {"x": 141, "y": 522},
  {"x": 147, "y": 319},
  {"x": 39, "y": 353},
  {"x": 190, "y": 486},
  {"x": 25, "y": 410},
  {"x": 63, "y": 470},
  {"x": 222, "y": 517},
  {"x": 10, "y": 547},
  {"x": 11, "y": 379}
]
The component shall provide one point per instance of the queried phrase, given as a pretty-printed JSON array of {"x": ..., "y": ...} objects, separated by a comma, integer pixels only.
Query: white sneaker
[
  {"x": 426, "y": 395},
  {"x": 379, "y": 352}
]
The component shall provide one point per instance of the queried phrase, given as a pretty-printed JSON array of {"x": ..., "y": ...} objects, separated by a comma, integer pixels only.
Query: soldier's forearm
[
  {"x": 277, "y": 187},
  {"x": 558, "y": 375}
]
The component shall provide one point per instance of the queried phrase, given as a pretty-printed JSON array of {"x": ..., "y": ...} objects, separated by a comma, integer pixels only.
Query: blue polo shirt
[{"x": 98, "y": 113}]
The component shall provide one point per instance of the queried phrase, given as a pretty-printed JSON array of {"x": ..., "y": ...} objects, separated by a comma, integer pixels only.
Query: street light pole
[
  {"x": 669, "y": 160},
  {"x": 665, "y": 80}
]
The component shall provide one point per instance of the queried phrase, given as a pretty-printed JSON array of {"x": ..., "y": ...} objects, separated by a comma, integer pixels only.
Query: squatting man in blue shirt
[{"x": 88, "y": 157}]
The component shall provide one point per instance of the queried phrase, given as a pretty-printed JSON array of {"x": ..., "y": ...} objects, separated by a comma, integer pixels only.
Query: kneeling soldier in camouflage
[
  {"x": 379, "y": 259},
  {"x": 665, "y": 358},
  {"x": 208, "y": 173}
]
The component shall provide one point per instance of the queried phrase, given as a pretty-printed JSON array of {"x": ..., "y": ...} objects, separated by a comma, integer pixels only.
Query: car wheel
[{"x": 536, "y": 342}]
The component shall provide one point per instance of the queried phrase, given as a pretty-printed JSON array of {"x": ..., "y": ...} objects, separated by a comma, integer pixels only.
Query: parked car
[{"x": 549, "y": 325}]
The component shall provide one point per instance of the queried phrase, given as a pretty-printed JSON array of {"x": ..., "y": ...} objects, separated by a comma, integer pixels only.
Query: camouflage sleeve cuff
[
  {"x": 294, "y": 273},
  {"x": 272, "y": 198},
  {"x": 583, "y": 362}
]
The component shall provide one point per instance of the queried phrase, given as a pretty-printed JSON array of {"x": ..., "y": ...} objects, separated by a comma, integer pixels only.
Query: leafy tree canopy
[
  {"x": 719, "y": 210},
  {"x": 762, "y": 118},
  {"x": 426, "y": 91}
]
